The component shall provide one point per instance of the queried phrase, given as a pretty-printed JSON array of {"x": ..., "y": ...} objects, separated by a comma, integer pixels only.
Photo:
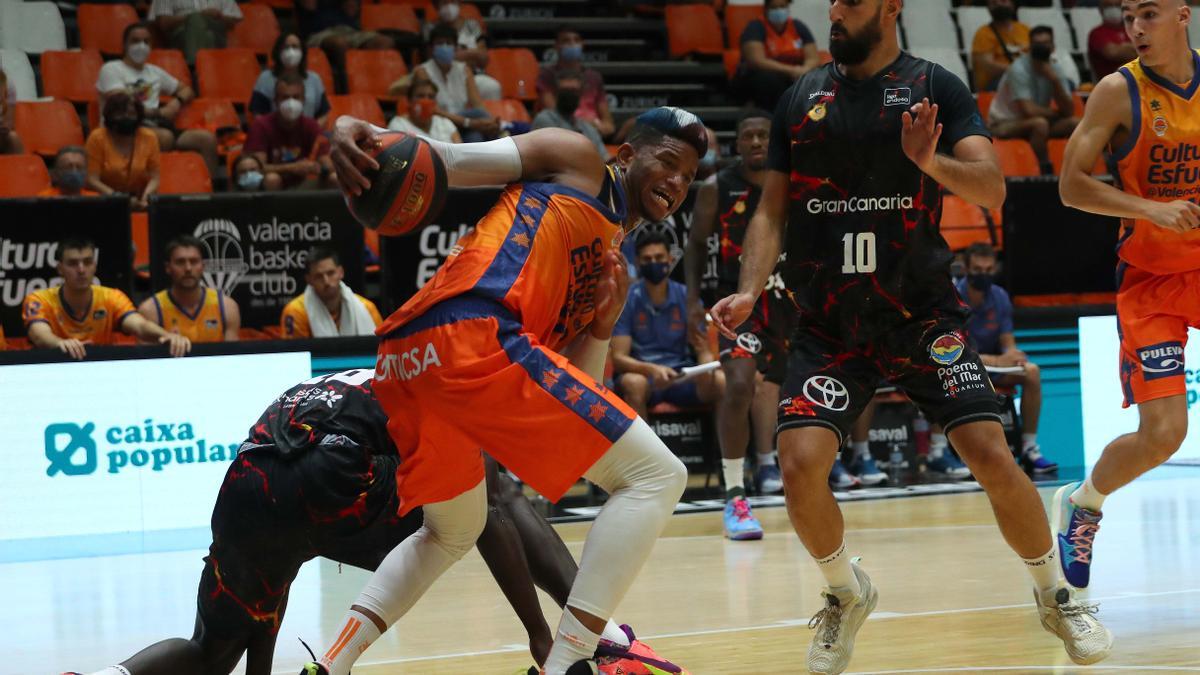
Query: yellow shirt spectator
[
  {"x": 986, "y": 46},
  {"x": 97, "y": 323},
  {"x": 123, "y": 173},
  {"x": 294, "y": 321},
  {"x": 207, "y": 325}
]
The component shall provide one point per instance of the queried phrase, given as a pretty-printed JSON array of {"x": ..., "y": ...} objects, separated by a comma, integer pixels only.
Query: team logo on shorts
[
  {"x": 947, "y": 349},
  {"x": 1164, "y": 359},
  {"x": 827, "y": 393},
  {"x": 749, "y": 342},
  {"x": 1160, "y": 125},
  {"x": 817, "y": 113}
]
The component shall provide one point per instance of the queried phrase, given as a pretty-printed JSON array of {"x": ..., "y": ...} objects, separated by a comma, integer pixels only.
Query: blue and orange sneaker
[
  {"x": 1075, "y": 531},
  {"x": 636, "y": 659},
  {"x": 740, "y": 523},
  {"x": 1035, "y": 462}
]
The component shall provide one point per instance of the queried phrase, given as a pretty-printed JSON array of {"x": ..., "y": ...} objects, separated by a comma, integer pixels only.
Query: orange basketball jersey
[
  {"x": 1160, "y": 161},
  {"x": 97, "y": 323},
  {"x": 206, "y": 325},
  {"x": 538, "y": 252}
]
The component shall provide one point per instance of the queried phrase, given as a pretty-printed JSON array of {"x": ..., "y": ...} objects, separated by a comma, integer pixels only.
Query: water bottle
[
  {"x": 895, "y": 463},
  {"x": 921, "y": 434}
]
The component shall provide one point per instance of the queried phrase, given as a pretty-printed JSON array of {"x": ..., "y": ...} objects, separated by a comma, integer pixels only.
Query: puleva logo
[{"x": 74, "y": 449}]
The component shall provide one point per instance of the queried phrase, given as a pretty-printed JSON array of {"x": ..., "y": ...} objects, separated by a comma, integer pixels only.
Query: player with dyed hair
[{"x": 471, "y": 361}]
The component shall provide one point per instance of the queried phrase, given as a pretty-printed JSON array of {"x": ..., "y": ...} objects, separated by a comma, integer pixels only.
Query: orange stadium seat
[
  {"x": 139, "y": 230},
  {"x": 984, "y": 101},
  {"x": 285, "y": 5},
  {"x": 737, "y": 17},
  {"x": 1079, "y": 103},
  {"x": 257, "y": 30},
  {"x": 732, "y": 58},
  {"x": 1016, "y": 158},
  {"x": 183, "y": 173},
  {"x": 46, "y": 126},
  {"x": 362, "y": 106},
  {"x": 517, "y": 71},
  {"x": 318, "y": 62},
  {"x": 471, "y": 11},
  {"x": 245, "y": 333},
  {"x": 508, "y": 109},
  {"x": 212, "y": 114},
  {"x": 22, "y": 175},
  {"x": 102, "y": 25},
  {"x": 172, "y": 61},
  {"x": 390, "y": 17},
  {"x": 693, "y": 29},
  {"x": 227, "y": 73},
  {"x": 71, "y": 75},
  {"x": 424, "y": 9},
  {"x": 372, "y": 71},
  {"x": 1058, "y": 148},
  {"x": 963, "y": 223}
]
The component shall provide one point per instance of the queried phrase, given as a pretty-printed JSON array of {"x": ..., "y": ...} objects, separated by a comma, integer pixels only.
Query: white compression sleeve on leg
[{"x": 495, "y": 162}]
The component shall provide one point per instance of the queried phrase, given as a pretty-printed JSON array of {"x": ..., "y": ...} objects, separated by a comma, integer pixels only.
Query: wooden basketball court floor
[{"x": 952, "y": 598}]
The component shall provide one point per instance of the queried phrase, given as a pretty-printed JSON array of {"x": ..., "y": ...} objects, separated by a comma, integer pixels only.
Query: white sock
[
  {"x": 735, "y": 475},
  {"x": 862, "y": 449},
  {"x": 1087, "y": 496},
  {"x": 1044, "y": 569},
  {"x": 613, "y": 633},
  {"x": 357, "y": 633},
  {"x": 1028, "y": 441},
  {"x": 768, "y": 459},
  {"x": 837, "y": 571},
  {"x": 573, "y": 643},
  {"x": 112, "y": 670},
  {"x": 937, "y": 445}
]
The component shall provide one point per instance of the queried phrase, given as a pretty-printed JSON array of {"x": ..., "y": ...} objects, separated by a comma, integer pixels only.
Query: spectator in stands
[
  {"x": 472, "y": 44},
  {"x": 248, "y": 175},
  {"x": 328, "y": 308},
  {"x": 10, "y": 142},
  {"x": 123, "y": 155},
  {"x": 990, "y": 330},
  {"x": 593, "y": 101},
  {"x": 569, "y": 87},
  {"x": 148, "y": 83},
  {"x": 192, "y": 25},
  {"x": 289, "y": 144},
  {"x": 1034, "y": 99},
  {"x": 69, "y": 174},
  {"x": 187, "y": 308},
  {"x": 457, "y": 95},
  {"x": 650, "y": 343},
  {"x": 333, "y": 25},
  {"x": 1109, "y": 46},
  {"x": 775, "y": 53},
  {"x": 422, "y": 118},
  {"x": 289, "y": 56},
  {"x": 997, "y": 45},
  {"x": 78, "y": 313}
]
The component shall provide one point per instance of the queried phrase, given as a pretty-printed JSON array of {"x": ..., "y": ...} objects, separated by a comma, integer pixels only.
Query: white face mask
[
  {"x": 290, "y": 57},
  {"x": 139, "y": 52},
  {"x": 291, "y": 109},
  {"x": 1111, "y": 14},
  {"x": 448, "y": 12}
]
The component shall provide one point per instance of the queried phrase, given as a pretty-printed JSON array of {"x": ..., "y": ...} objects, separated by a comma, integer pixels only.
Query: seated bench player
[
  {"x": 328, "y": 307},
  {"x": 189, "y": 308}
]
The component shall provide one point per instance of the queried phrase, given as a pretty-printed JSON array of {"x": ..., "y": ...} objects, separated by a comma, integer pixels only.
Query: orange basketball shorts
[
  {"x": 466, "y": 378},
  {"x": 1153, "y": 316}
]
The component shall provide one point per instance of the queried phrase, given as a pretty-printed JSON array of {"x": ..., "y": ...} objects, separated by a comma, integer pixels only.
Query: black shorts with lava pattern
[{"x": 763, "y": 337}]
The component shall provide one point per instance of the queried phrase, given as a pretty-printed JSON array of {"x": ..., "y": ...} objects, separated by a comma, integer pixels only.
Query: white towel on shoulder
[{"x": 354, "y": 318}]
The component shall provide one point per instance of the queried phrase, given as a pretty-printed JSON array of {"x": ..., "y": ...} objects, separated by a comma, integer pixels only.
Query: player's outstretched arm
[
  {"x": 760, "y": 253},
  {"x": 1110, "y": 109},
  {"x": 136, "y": 325}
]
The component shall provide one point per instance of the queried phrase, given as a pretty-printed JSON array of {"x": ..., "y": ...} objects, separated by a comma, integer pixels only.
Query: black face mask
[
  {"x": 980, "y": 282},
  {"x": 851, "y": 50},
  {"x": 1040, "y": 52},
  {"x": 123, "y": 125},
  {"x": 566, "y": 102},
  {"x": 1002, "y": 14}
]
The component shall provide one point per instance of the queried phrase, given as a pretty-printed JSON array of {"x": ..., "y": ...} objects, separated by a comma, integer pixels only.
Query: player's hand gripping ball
[{"x": 407, "y": 191}]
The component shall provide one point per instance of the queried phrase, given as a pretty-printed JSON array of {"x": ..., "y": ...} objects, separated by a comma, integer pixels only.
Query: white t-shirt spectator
[
  {"x": 181, "y": 7},
  {"x": 145, "y": 84},
  {"x": 452, "y": 86},
  {"x": 440, "y": 129}
]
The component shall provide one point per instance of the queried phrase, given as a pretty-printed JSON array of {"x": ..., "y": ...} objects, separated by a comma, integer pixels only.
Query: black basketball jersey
[
  {"x": 863, "y": 246},
  {"x": 736, "y": 200},
  {"x": 318, "y": 410}
]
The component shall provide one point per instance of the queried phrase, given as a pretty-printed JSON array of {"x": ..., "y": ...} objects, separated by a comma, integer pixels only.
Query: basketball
[{"x": 407, "y": 191}]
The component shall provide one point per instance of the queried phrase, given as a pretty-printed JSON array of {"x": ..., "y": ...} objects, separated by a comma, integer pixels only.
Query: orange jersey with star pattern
[{"x": 98, "y": 321}]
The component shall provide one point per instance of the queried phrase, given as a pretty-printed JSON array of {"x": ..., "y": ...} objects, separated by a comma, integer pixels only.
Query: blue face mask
[
  {"x": 709, "y": 159},
  {"x": 443, "y": 54},
  {"x": 71, "y": 180},
  {"x": 778, "y": 15},
  {"x": 570, "y": 52},
  {"x": 654, "y": 272},
  {"x": 251, "y": 180}
]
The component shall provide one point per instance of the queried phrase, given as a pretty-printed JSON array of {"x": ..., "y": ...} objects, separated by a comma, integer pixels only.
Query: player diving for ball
[{"x": 317, "y": 477}]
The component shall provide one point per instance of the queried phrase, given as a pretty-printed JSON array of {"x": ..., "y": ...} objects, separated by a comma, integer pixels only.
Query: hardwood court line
[
  {"x": 855, "y": 530},
  {"x": 792, "y": 623},
  {"x": 1052, "y": 669}
]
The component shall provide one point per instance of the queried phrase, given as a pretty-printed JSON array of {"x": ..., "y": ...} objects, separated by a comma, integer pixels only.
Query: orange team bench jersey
[
  {"x": 294, "y": 319},
  {"x": 1160, "y": 161},
  {"x": 206, "y": 325},
  {"x": 97, "y": 323},
  {"x": 539, "y": 252}
]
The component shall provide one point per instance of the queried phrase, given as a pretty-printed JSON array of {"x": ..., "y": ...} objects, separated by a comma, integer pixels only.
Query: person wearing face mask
[
  {"x": 1034, "y": 99},
  {"x": 421, "y": 118},
  {"x": 990, "y": 331},
  {"x": 652, "y": 343},
  {"x": 68, "y": 175},
  {"x": 563, "y": 114},
  {"x": 122, "y": 155},
  {"x": 289, "y": 56},
  {"x": 248, "y": 176},
  {"x": 593, "y": 101},
  {"x": 458, "y": 96},
  {"x": 290, "y": 146},
  {"x": 776, "y": 50},
  {"x": 997, "y": 45},
  {"x": 192, "y": 25},
  {"x": 470, "y": 31},
  {"x": 1109, "y": 46}
]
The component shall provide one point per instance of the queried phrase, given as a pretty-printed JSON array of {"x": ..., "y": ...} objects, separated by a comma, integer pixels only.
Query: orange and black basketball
[{"x": 407, "y": 191}]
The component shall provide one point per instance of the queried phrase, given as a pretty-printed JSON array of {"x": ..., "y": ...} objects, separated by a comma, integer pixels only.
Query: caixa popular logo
[{"x": 79, "y": 449}]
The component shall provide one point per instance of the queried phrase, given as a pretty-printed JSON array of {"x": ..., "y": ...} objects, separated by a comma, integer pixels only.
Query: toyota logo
[
  {"x": 749, "y": 342},
  {"x": 827, "y": 393}
]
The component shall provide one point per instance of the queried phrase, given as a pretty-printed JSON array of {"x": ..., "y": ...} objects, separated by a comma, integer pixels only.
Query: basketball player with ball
[{"x": 472, "y": 360}]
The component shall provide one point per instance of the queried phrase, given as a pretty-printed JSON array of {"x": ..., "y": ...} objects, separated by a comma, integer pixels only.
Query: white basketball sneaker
[
  {"x": 837, "y": 624},
  {"x": 1074, "y": 622}
]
